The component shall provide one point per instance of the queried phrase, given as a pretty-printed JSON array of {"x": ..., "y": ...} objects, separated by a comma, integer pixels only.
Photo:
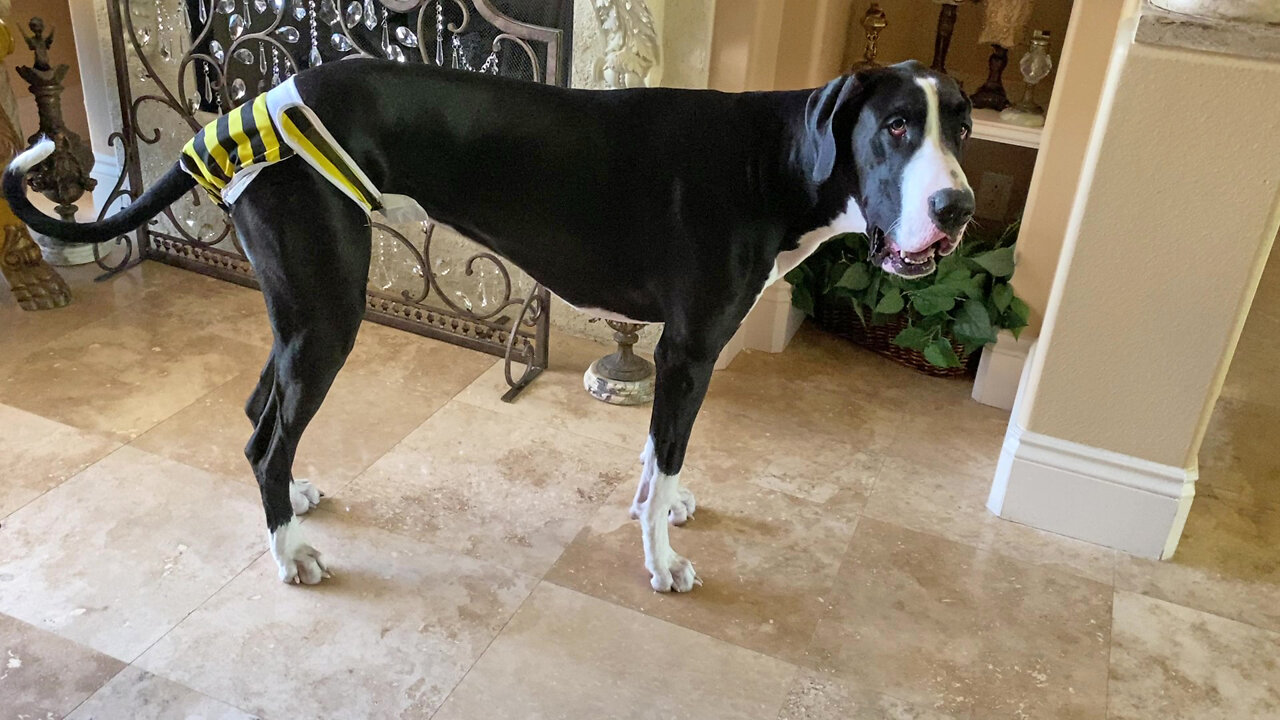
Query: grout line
[
  {"x": 96, "y": 690},
  {"x": 484, "y": 652}
]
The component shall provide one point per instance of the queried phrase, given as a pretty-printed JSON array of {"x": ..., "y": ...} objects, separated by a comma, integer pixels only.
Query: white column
[{"x": 1178, "y": 205}]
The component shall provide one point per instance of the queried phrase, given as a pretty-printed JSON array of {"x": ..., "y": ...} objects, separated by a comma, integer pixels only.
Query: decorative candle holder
[
  {"x": 1035, "y": 66},
  {"x": 622, "y": 378}
]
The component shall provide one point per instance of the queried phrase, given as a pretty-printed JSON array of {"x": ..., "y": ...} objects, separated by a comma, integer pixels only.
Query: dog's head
[{"x": 890, "y": 139}]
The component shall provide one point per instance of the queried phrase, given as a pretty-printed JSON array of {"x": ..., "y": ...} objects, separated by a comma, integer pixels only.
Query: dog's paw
[
  {"x": 303, "y": 496},
  {"x": 675, "y": 574},
  {"x": 682, "y": 509},
  {"x": 296, "y": 560}
]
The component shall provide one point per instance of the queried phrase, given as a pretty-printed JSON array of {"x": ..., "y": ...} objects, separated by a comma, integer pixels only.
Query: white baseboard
[
  {"x": 1092, "y": 494},
  {"x": 769, "y": 326},
  {"x": 774, "y": 321},
  {"x": 1000, "y": 370}
]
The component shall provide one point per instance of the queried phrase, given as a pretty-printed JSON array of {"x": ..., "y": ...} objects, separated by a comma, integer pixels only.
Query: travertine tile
[
  {"x": 557, "y": 400},
  {"x": 768, "y": 560},
  {"x": 1227, "y": 563},
  {"x": 138, "y": 695},
  {"x": 37, "y": 455},
  {"x": 488, "y": 486},
  {"x": 126, "y": 372},
  {"x": 43, "y": 675},
  {"x": 1238, "y": 458},
  {"x": 946, "y": 496},
  {"x": 119, "y": 554},
  {"x": 822, "y": 696},
  {"x": 26, "y": 331},
  {"x": 392, "y": 382},
  {"x": 949, "y": 627},
  {"x": 566, "y": 656},
  {"x": 388, "y": 636},
  {"x": 1176, "y": 663}
]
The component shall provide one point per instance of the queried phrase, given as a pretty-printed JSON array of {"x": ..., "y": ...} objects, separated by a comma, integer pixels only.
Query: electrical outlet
[{"x": 993, "y": 196}]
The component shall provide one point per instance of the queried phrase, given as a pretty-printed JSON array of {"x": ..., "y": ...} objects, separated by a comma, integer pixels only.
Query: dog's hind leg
[
  {"x": 312, "y": 260},
  {"x": 684, "y": 366}
]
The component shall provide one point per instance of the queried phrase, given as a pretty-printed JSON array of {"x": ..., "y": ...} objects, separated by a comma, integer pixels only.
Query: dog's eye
[{"x": 897, "y": 127}]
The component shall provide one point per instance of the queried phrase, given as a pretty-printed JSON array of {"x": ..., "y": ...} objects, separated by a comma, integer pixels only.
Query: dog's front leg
[
  {"x": 683, "y": 374},
  {"x": 685, "y": 503}
]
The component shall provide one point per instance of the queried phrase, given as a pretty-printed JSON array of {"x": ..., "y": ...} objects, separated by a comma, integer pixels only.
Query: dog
[{"x": 711, "y": 196}]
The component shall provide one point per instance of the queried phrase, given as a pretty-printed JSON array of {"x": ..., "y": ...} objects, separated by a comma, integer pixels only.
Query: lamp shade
[{"x": 1005, "y": 22}]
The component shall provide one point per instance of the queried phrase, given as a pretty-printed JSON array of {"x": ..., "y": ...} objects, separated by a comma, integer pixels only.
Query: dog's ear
[{"x": 839, "y": 98}]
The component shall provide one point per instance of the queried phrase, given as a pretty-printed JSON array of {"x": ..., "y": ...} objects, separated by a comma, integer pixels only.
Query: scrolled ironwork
[{"x": 219, "y": 66}]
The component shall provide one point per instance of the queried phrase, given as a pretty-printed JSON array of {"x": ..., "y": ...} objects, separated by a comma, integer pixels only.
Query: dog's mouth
[{"x": 891, "y": 258}]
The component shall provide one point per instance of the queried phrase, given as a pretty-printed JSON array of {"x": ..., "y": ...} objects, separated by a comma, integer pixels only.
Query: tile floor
[{"x": 485, "y": 567}]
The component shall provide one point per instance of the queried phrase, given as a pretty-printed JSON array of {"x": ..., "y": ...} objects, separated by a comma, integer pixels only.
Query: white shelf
[{"x": 987, "y": 125}]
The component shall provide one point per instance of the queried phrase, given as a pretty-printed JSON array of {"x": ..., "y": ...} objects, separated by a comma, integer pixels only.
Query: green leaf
[
  {"x": 802, "y": 299},
  {"x": 1020, "y": 310},
  {"x": 934, "y": 300},
  {"x": 798, "y": 276},
  {"x": 1002, "y": 295},
  {"x": 940, "y": 354},
  {"x": 973, "y": 324},
  {"x": 892, "y": 303},
  {"x": 872, "y": 293},
  {"x": 913, "y": 338},
  {"x": 997, "y": 262},
  {"x": 857, "y": 277}
]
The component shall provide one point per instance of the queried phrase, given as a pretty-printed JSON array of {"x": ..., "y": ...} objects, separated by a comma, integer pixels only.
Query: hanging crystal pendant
[
  {"x": 353, "y": 14},
  {"x": 236, "y": 25},
  {"x": 204, "y": 14},
  {"x": 260, "y": 6},
  {"x": 370, "y": 15},
  {"x": 394, "y": 53},
  {"x": 277, "y": 6},
  {"x": 326, "y": 12},
  {"x": 244, "y": 55},
  {"x": 215, "y": 49},
  {"x": 166, "y": 50},
  {"x": 237, "y": 89},
  {"x": 144, "y": 35},
  {"x": 226, "y": 7},
  {"x": 313, "y": 57},
  {"x": 288, "y": 33},
  {"x": 299, "y": 9},
  {"x": 406, "y": 37},
  {"x": 340, "y": 42}
]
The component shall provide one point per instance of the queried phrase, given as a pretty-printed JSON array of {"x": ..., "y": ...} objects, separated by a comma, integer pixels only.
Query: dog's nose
[{"x": 951, "y": 209}]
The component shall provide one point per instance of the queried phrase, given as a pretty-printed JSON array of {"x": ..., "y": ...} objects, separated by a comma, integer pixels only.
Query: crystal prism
[{"x": 406, "y": 37}]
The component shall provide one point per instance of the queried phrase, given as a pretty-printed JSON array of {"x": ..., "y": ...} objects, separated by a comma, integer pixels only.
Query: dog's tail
[{"x": 168, "y": 188}]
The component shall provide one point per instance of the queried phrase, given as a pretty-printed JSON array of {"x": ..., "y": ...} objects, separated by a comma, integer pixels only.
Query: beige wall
[
  {"x": 1162, "y": 255},
  {"x": 1087, "y": 50}
]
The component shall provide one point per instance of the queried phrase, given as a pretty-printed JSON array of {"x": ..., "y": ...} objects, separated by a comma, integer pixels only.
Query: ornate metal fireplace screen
[{"x": 179, "y": 63}]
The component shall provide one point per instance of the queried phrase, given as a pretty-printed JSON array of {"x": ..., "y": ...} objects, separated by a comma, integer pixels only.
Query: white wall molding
[
  {"x": 1000, "y": 370},
  {"x": 1091, "y": 493}
]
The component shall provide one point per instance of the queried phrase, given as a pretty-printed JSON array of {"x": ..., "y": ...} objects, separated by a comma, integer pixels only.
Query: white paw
[
  {"x": 676, "y": 574},
  {"x": 682, "y": 509},
  {"x": 303, "y": 496},
  {"x": 297, "y": 561}
]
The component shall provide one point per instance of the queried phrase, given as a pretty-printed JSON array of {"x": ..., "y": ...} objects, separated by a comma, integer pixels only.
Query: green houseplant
[{"x": 933, "y": 323}]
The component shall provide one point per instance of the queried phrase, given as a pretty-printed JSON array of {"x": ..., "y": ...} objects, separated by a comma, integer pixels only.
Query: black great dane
[{"x": 656, "y": 205}]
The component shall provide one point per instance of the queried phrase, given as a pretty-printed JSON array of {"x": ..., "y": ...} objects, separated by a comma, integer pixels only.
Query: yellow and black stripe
[
  {"x": 243, "y": 137},
  {"x": 329, "y": 160},
  {"x": 250, "y": 135}
]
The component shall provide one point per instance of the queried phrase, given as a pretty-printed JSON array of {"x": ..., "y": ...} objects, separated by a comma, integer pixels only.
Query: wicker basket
[{"x": 836, "y": 316}]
